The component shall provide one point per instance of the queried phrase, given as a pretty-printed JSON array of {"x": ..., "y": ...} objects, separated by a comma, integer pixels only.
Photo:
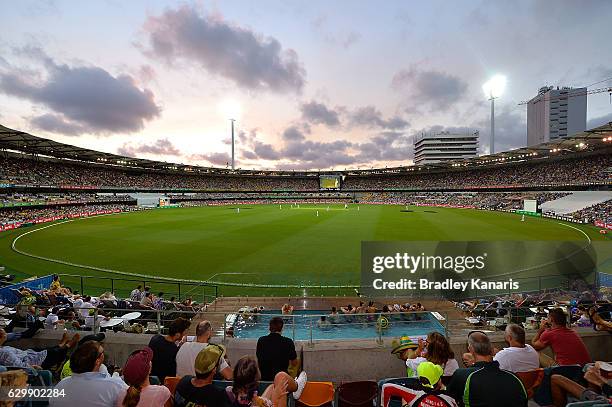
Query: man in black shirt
[
  {"x": 275, "y": 352},
  {"x": 484, "y": 384},
  {"x": 165, "y": 349},
  {"x": 199, "y": 390}
]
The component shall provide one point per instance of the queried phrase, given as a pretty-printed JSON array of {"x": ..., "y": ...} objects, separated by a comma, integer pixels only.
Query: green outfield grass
[{"x": 264, "y": 244}]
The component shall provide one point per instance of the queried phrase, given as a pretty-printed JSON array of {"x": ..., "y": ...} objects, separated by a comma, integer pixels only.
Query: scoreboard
[{"x": 330, "y": 181}]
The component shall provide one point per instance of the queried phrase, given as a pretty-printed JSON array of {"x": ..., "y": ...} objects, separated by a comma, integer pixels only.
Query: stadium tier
[
  {"x": 136, "y": 255},
  {"x": 32, "y": 162},
  {"x": 342, "y": 219}
]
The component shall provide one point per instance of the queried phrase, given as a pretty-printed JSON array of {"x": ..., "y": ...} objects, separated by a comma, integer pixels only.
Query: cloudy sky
[{"x": 312, "y": 84}]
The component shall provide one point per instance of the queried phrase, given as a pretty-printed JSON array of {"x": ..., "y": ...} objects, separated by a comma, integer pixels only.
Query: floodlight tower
[
  {"x": 232, "y": 121},
  {"x": 493, "y": 89}
]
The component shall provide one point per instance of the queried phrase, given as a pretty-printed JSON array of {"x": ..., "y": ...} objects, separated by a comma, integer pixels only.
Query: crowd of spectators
[
  {"x": 189, "y": 365},
  {"x": 24, "y": 171},
  {"x": 601, "y": 212},
  {"x": 48, "y": 172},
  {"x": 21, "y": 208},
  {"x": 571, "y": 171},
  {"x": 479, "y": 200},
  {"x": 24, "y": 215},
  {"x": 61, "y": 307},
  {"x": 220, "y": 196},
  {"x": 66, "y": 198}
]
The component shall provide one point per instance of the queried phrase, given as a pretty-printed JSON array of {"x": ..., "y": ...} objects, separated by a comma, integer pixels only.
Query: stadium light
[
  {"x": 233, "y": 162},
  {"x": 231, "y": 110},
  {"x": 493, "y": 89}
]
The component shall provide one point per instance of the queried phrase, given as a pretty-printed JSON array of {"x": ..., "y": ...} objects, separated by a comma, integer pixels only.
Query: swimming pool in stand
[{"x": 302, "y": 324}]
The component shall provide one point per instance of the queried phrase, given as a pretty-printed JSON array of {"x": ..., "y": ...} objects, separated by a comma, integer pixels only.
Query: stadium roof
[{"x": 15, "y": 140}]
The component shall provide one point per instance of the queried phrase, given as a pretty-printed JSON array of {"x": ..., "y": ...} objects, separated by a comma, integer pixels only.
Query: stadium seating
[
  {"x": 403, "y": 381},
  {"x": 317, "y": 394},
  {"x": 531, "y": 380},
  {"x": 356, "y": 394}
]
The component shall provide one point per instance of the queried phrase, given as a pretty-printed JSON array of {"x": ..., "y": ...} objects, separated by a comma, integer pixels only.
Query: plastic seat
[
  {"x": 542, "y": 395},
  {"x": 356, "y": 394},
  {"x": 171, "y": 383},
  {"x": 531, "y": 380},
  {"x": 317, "y": 394}
]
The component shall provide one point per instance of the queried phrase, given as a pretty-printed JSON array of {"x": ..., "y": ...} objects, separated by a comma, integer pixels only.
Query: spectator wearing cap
[
  {"x": 405, "y": 349},
  {"x": 141, "y": 392},
  {"x": 189, "y": 350},
  {"x": 165, "y": 348},
  {"x": 568, "y": 347},
  {"x": 484, "y": 384},
  {"x": 427, "y": 393},
  {"x": 199, "y": 389},
  {"x": 87, "y": 385},
  {"x": 275, "y": 352}
]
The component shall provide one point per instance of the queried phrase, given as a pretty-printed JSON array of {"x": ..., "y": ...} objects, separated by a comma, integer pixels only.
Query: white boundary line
[
  {"x": 150, "y": 277},
  {"x": 209, "y": 280},
  {"x": 579, "y": 230}
]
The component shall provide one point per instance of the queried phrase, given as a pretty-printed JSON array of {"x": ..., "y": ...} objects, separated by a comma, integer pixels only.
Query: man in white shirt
[
  {"x": 189, "y": 350},
  {"x": 52, "y": 319},
  {"x": 518, "y": 357},
  {"x": 88, "y": 385},
  {"x": 82, "y": 306}
]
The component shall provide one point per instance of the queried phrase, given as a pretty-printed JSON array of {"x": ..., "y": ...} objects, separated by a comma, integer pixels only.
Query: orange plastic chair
[
  {"x": 317, "y": 394},
  {"x": 531, "y": 380},
  {"x": 171, "y": 383}
]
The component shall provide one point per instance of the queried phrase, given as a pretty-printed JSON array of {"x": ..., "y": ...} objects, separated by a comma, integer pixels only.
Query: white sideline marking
[
  {"x": 579, "y": 230},
  {"x": 150, "y": 277}
]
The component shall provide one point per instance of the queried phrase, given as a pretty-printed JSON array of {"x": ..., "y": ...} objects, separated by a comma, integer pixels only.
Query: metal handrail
[{"x": 146, "y": 281}]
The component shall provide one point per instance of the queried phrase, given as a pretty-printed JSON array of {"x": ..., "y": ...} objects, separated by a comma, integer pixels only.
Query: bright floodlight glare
[
  {"x": 495, "y": 86},
  {"x": 230, "y": 109}
]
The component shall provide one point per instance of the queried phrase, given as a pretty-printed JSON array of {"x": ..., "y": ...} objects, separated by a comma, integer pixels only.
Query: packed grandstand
[
  {"x": 39, "y": 178},
  {"x": 155, "y": 348}
]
